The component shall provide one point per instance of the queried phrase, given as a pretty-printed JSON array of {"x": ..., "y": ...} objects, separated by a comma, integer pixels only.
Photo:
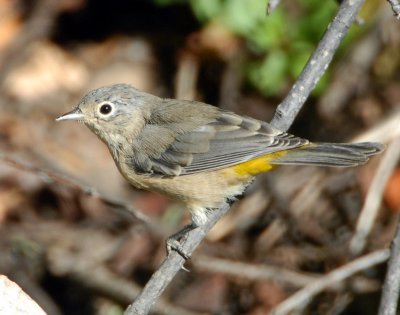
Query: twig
[
  {"x": 316, "y": 65},
  {"x": 385, "y": 131},
  {"x": 391, "y": 287},
  {"x": 73, "y": 257},
  {"x": 300, "y": 299},
  {"x": 374, "y": 197},
  {"x": 107, "y": 283},
  {"x": 50, "y": 177},
  {"x": 254, "y": 272},
  {"x": 271, "y": 6},
  {"x": 171, "y": 266},
  {"x": 395, "y": 7},
  {"x": 283, "y": 276}
]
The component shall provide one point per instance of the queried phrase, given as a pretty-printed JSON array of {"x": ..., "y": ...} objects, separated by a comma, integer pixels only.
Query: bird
[{"x": 197, "y": 153}]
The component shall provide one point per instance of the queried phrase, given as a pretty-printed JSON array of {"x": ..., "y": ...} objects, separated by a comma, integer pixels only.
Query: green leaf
[
  {"x": 206, "y": 9},
  {"x": 242, "y": 16},
  {"x": 269, "y": 75},
  {"x": 269, "y": 33}
]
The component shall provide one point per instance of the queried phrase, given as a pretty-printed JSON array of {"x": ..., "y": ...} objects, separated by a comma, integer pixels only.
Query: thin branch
[
  {"x": 395, "y": 4},
  {"x": 374, "y": 197},
  {"x": 300, "y": 299},
  {"x": 272, "y": 5},
  {"x": 283, "y": 276},
  {"x": 316, "y": 65},
  {"x": 50, "y": 177},
  {"x": 171, "y": 266},
  {"x": 391, "y": 287},
  {"x": 254, "y": 272},
  {"x": 385, "y": 131},
  {"x": 102, "y": 280}
]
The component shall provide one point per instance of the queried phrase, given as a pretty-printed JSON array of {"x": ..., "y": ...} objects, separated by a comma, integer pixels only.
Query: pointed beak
[{"x": 75, "y": 114}]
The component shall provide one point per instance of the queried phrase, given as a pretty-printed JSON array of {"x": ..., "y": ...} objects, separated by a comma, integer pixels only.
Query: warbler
[{"x": 194, "y": 152}]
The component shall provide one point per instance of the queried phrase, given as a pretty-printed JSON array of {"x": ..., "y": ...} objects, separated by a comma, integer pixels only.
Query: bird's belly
[{"x": 207, "y": 190}]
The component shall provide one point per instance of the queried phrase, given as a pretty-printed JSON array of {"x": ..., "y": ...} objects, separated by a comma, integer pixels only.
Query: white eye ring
[{"x": 106, "y": 108}]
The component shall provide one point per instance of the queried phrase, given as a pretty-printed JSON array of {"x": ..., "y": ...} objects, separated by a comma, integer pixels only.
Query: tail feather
[{"x": 331, "y": 154}]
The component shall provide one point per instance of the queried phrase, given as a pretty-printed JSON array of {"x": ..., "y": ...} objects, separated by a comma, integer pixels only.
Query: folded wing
[{"x": 217, "y": 141}]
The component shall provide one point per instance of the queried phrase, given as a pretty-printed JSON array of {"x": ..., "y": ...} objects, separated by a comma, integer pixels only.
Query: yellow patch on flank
[{"x": 258, "y": 165}]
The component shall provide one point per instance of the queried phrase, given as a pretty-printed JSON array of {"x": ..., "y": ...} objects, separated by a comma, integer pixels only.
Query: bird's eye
[{"x": 105, "y": 108}]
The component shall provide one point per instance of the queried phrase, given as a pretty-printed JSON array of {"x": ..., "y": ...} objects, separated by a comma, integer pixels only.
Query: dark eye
[{"x": 105, "y": 109}]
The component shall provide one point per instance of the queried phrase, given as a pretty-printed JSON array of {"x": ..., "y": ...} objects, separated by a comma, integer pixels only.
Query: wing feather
[{"x": 209, "y": 142}]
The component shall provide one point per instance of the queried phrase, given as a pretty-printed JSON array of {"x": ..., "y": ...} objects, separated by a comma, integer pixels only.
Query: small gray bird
[{"x": 195, "y": 152}]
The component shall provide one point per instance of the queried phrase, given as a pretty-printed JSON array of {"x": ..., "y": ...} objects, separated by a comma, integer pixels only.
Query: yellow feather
[{"x": 258, "y": 165}]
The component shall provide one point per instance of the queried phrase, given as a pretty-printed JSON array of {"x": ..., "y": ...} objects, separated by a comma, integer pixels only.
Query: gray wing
[{"x": 221, "y": 140}]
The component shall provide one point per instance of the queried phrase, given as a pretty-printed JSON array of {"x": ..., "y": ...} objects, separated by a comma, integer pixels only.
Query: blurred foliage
[{"x": 279, "y": 44}]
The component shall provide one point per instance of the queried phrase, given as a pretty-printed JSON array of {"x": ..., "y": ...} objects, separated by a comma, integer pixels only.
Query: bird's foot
[{"x": 174, "y": 242}]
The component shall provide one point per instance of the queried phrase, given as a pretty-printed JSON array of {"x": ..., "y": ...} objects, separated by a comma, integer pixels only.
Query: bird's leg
[{"x": 174, "y": 242}]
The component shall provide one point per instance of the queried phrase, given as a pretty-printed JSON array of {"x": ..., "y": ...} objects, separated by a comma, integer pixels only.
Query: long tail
[{"x": 331, "y": 154}]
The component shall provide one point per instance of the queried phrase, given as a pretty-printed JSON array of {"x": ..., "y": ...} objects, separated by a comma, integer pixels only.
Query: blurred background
[{"x": 71, "y": 230}]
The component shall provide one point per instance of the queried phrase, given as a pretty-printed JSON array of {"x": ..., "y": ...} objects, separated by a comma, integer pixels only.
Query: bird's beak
[{"x": 75, "y": 114}]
